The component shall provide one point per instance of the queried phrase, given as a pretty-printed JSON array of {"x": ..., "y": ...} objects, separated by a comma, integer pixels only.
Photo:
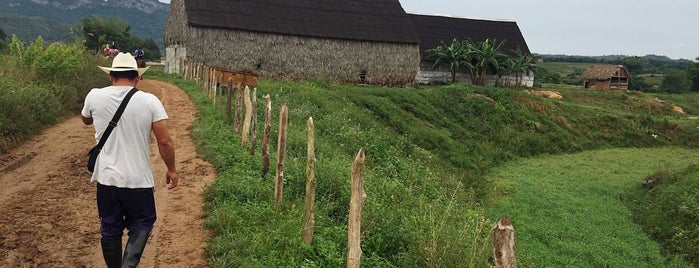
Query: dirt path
[{"x": 48, "y": 216}]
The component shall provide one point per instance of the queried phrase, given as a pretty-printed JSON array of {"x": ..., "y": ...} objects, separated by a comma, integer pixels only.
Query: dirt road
[{"x": 48, "y": 216}]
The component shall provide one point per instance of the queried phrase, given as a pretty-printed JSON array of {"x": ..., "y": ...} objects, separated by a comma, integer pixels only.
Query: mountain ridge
[{"x": 52, "y": 19}]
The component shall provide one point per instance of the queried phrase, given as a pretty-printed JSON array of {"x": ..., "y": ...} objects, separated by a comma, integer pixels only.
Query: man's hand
[{"x": 171, "y": 179}]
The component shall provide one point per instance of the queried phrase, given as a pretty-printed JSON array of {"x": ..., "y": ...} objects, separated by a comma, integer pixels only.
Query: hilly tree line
[
  {"x": 29, "y": 20},
  {"x": 95, "y": 32}
]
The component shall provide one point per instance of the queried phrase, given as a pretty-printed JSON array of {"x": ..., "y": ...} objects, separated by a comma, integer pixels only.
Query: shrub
[
  {"x": 41, "y": 84},
  {"x": 666, "y": 205}
]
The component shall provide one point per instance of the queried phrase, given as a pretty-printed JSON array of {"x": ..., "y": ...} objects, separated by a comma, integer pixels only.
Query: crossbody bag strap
[{"x": 115, "y": 119}]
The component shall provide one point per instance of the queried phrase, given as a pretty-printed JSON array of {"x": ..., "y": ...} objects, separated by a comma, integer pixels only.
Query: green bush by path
[
  {"x": 668, "y": 209},
  {"x": 40, "y": 84}
]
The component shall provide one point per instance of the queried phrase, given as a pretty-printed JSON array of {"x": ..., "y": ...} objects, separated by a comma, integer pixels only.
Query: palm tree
[
  {"x": 455, "y": 54},
  {"x": 524, "y": 63},
  {"x": 486, "y": 56}
]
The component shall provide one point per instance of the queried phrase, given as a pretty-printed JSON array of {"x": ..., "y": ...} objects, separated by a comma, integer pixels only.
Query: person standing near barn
[{"x": 125, "y": 182}]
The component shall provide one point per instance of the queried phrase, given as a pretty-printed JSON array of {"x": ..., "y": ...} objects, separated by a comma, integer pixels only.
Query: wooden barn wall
[{"x": 297, "y": 57}]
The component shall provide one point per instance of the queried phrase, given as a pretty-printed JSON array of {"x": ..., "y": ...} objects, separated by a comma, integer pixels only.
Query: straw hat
[{"x": 124, "y": 62}]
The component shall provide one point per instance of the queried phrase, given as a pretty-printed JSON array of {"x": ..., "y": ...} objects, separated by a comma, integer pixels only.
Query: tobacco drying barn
[{"x": 353, "y": 41}]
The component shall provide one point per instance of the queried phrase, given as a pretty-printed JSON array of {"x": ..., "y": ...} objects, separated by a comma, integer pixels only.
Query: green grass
[
  {"x": 567, "y": 209},
  {"x": 565, "y": 68},
  {"x": 428, "y": 151}
]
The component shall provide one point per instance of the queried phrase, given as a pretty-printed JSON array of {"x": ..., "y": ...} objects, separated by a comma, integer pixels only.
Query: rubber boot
[
  {"x": 111, "y": 251},
  {"x": 134, "y": 248}
]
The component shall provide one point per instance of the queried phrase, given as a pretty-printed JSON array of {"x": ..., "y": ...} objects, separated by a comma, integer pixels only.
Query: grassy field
[
  {"x": 432, "y": 183},
  {"x": 567, "y": 209},
  {"x": 565, "y": 68}
]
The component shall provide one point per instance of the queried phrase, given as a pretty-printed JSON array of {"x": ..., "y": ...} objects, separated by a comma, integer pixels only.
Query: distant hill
[{"x": 52, "y": 19}]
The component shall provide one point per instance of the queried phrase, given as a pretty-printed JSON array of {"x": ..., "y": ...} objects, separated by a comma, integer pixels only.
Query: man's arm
[
  {"x": 87, "y": 120},
  {"x": 167, "y": 151}
]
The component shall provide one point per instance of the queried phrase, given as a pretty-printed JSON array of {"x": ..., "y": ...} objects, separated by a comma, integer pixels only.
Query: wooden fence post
[
  {"x": 266, "y": 135},
  {"x": 214, "y": 85},
  {"x": 238, "y": 109},
  {"x": 248, "y": 117},
  {"x": 354, "y": 249},
  {"x": 504, "y": 244},
  {"x": 281, "y": 151},
  {"x": 309, "y": 208},
  {"x": 229, "y": 94},
  {"x": 253, "y": 132}
]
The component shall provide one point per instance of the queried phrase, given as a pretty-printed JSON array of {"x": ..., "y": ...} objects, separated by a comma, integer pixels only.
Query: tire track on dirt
[{"x": 48, "y": 216}]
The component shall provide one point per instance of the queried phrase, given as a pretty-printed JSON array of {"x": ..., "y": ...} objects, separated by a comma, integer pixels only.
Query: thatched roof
[
  {"x": 375, "y": 20},
  {"x": 604, "y": 72},
  {"x": 435, "y": 29}
]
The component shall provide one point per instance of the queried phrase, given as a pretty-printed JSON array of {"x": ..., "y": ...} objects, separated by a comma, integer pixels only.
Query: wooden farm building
[
  {"x": 433, "y": 30},
  {"x": 354, "y": 41},
  {"x": 294, "y": 39},
  {"x": 606, "y": 77}
]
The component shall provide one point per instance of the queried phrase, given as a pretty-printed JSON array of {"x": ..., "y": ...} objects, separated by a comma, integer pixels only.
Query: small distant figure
[
  {"x": 113, "y": 52},
  {"x": 139, "y": 53},
  {"x": 106, "y": 50}
]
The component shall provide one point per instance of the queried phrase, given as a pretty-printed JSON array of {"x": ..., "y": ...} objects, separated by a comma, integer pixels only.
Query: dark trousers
[{"x": 119, "y": 208}]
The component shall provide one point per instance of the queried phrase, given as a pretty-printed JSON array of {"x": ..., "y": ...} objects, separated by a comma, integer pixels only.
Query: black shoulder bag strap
[{"x": 110, "y": 128}]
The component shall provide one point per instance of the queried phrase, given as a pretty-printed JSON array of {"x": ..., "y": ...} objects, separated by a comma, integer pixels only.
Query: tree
[
  {"x": 99, "y": 31},
  {"x": 522, "y": 64},
  {"x": 3, "y": 43},
  {"x": 636, "y": 65},
  {"x": 455, "y": 55},
  {"x": 151, "y": 49},
  {"x": 676, "y": 81},
  {"x": 486, "y": 55},
  {"x": 693, "y": 74}
]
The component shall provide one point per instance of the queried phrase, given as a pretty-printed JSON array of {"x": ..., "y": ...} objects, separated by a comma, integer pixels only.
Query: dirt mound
[
  {"x": 547, "y": 94},
  {"x": 48, "y": 216}
]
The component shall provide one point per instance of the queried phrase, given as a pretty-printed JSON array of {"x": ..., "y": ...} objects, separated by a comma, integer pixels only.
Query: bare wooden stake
[
  {"x": 281, "y": 151},
  {"x": 266, "y": 135},
  {"x": 504, "y": 244},
  {"x": 229, "y": 97},
  {"x": 354, "y": 249},
  {"x": 238, "y": 109},
  {"x": 309, "y": 208},
  {"x": 253, "y": 131},
  {"x": 248, "y": 117}
]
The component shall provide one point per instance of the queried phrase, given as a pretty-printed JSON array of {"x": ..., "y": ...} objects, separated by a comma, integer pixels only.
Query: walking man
[{"x": 122, "y": 171}]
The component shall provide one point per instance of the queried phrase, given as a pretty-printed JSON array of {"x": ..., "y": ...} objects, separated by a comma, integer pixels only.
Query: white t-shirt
[{"x": 125, "y": 158}]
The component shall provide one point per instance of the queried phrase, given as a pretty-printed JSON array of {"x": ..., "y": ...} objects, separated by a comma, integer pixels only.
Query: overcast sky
[{"x": 587, "y": 27}]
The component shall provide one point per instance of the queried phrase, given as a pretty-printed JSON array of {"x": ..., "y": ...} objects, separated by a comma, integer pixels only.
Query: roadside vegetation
[
  {"x": 431, "y": 199},
  {"x": 40, "y": 84}
]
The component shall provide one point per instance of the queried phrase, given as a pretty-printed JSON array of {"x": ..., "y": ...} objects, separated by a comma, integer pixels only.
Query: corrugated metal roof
[
  {"x": 367, "y": 20},
  {"x": 435, "y": 29}
]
